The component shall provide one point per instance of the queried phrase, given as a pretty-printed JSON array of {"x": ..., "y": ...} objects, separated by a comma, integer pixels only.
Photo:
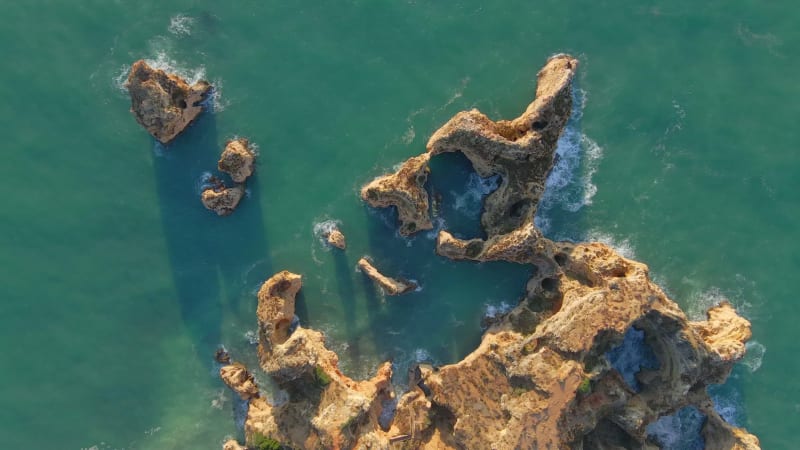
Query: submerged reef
[
  {"x": 541, "y": 377},
  {"x": 164, "y": 104}
]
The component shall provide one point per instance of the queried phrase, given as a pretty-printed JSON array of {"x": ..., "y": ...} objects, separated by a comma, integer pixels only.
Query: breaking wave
[
  {"x": 569, "y": 185},
  {"x": 181, "y": 25}
]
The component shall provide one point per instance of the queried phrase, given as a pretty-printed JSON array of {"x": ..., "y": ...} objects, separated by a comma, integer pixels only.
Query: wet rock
[
  {"x": 221, "y": 356},
  {"x": 164, "y": 104}
]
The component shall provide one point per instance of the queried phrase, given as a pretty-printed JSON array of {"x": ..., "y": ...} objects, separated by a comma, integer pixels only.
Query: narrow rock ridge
[
  {"x": 542, "y": 376},
  {"x": 164, "y": 104},
  {"x": 240, "y": 380},
  {"x": 391, "y": 286}
]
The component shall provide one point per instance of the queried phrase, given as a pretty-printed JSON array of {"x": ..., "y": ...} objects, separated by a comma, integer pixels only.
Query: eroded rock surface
[
  {"x": 240, "y": 380},
  {"x": 164, "y": 104},
  {"x": 404, "y": 190},
  {"x": 335, "y": 238},
  {"x": 326, "y": 409},
  {"x": 391, "y": 286},
  {"x": 222, "y": 200},
  {"x": 237, "y": 160},
  {"x": 542, "y": 376}
]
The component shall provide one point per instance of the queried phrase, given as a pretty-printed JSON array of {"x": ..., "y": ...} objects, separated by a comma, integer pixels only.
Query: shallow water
[{"x": 118, "y": 285}]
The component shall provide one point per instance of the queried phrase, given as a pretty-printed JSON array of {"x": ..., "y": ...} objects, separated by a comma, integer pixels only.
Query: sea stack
[
  {"x": 164, "y": 104},
  {"x": 222, "y": 200},
  {"x": 237, "y": 160}
]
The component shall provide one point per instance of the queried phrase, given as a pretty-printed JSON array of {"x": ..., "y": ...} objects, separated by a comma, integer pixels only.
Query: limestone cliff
[
  {"x": 164, "y": 104},
  {"x": 544, "y": 375}
]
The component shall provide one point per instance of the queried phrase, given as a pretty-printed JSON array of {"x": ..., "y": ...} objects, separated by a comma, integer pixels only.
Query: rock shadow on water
[{"x": 207, "y": 253}]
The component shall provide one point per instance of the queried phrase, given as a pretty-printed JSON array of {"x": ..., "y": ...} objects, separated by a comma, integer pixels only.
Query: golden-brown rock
[
  {"x": 164, "y": 104},
  {"x": 222, "y": 200},
  {"x": 543, "y": 375},
  {"x": 336, "y": 238},
  {"x": 240, "y": 380},
  {"x": 390, "y": 286},
  {"x": 405, "y": 190},
  {"x": 237, "y": 160},
  {"x": 326, "y": 409}
]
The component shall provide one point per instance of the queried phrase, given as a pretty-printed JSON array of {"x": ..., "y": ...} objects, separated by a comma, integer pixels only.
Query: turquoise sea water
[{"x": 117, "y": 285}]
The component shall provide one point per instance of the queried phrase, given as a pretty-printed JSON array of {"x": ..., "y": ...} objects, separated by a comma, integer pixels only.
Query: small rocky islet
[{"x": 540, "y": 377}]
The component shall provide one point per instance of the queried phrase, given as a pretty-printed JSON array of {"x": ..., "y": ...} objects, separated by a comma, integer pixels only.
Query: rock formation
[
  {"x": 334, "y": 237},
  {"x": 390, "y": 286},
  {"x": 231, "y": 444},
  {"x": 240, "y": 380},
  {"x": 164, "y": 104},
  {"x": 544, "y": 375},
  {"x": 325, "y": 409},
  {"x": 237, "y": 160},
  {"x": 404, "y": 190},
  {"x": 222, "y": 200}
]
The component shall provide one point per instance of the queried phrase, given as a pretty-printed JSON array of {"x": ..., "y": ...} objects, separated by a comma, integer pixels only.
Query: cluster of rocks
[
  {"x": 541, "y": 376},
  {"x": 165, "y": 104}
]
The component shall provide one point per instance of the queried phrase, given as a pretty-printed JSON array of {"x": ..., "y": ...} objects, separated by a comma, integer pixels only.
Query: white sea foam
[
  {"x": 181, "y": 25},
  {"x": 754, "y": 356},
  {"x": 323, "y": 228},
  {"x": 203, "y": 182},
  {"x": 569, "y": 185},
  {"x": 496, "y": 310},
  {"x": 251, "y": 336},
  {"x": 623, "y": 247},
  {"x": 679, "y": 431},
  {"x": 471, "y": 200}
]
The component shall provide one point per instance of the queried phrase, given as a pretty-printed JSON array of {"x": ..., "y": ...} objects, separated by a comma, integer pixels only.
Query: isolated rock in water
[
  {"x": 237, "y": 160},
  {"x": 240, "y": 380},
  {"x": 221, "y": 356},
  {"x": 405, "y": 190},
  {"x": 544, "y": 375},
  {"x": 390, "y": 286},
  {"x": 335, "y": 238},
  {"x": 326, "y": 409},
  {"x": 164, "y": 104},
  {"x": 222, "y": 200}
]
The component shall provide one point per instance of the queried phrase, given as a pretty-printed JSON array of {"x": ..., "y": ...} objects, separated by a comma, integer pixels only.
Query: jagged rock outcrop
[
  {"x": 325, "y": 409},
  {"x": 405, "y": 190},
  {"x": 391, "y": 286},
  {"x": 237, "y": 160},
  {"x": 164, "y": 104},
  {"x": 240, "y": 380},
  {"x": 335, "y": 238},
  {"x": 544, "y": 375},
  {"x": 222, "y": 200}
]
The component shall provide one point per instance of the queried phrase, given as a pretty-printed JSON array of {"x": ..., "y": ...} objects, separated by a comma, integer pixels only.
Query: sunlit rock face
[
  {"x": 164, "y": 104},
  {"x": 552, "y": 372}
]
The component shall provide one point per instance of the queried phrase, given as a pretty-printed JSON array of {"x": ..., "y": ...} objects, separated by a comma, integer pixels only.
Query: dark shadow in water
[
  {"x": 210, "y": 256},
  {"x": 344, "y": 279}
]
